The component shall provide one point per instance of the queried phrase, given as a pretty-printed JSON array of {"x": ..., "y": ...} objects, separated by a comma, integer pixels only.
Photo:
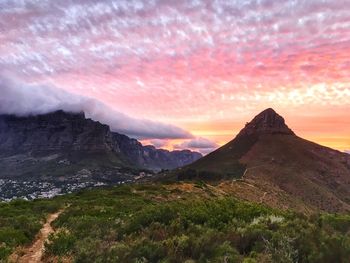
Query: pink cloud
[{"x": 189, "y": 61}]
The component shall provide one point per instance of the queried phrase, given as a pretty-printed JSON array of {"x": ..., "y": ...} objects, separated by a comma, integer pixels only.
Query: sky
[{"x": 198, "y": 70}]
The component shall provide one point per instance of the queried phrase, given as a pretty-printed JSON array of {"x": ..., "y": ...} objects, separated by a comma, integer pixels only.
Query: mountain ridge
[{"x": 71, "y": 138}]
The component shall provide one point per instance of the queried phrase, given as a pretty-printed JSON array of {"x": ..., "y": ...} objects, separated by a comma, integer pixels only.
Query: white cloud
[
  {"x": 22, "y": 99},
  {"x": 200, "y": 144}
]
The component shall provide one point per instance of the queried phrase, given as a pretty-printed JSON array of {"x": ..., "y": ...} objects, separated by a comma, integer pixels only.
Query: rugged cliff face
[
  {"x": 151, "y": 158},
  {"x": 64, "y": 143},
  {"x": 267, "y": 122},
  {"x": 54, "y": 132}
]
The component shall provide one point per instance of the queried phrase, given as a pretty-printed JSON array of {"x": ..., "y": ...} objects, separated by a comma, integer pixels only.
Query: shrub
[
  {"x": 60, "y": 243},
  {"x": 5, "y": 251},
  {"x": 12, "y": 237}
]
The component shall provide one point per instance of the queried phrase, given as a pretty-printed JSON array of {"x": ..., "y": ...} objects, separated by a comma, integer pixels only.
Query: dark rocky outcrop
[
  {"x": 70, "y": 138},
  {"x": 267, "y": 122},
  {"x": 151, "y": 158},
  {"x": 53, "y": 132}
]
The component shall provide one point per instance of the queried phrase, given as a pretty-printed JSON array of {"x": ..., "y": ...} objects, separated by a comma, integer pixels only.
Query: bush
[
  {"x": 60, "y": 243},
  {"x": 12, "y": 237},
  {"x": 5, "y": 251},
  {"x": 151, "y": 224}
]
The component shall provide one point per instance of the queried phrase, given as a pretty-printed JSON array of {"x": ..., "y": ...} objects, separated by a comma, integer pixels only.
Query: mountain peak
[{"x": 267, "y": 122}]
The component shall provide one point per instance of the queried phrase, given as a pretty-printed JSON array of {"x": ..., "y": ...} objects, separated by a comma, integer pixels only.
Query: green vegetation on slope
[{"x": 166, "y": 223}]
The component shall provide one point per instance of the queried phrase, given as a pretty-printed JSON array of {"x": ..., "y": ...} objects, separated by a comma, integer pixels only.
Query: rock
[
  {"x": 54, "y": 132},
  {"x": 267, "y": 122}
]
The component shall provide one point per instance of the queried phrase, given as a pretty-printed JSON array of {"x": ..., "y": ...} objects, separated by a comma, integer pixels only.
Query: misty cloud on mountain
[{"x": 22, "y": 99}]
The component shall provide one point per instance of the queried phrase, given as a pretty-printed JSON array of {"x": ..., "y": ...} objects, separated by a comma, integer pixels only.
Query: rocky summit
[{"x": 267, "y": 122}]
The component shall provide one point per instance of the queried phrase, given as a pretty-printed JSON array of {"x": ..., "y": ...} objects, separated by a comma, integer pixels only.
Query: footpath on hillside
[{"x": 34, "y": 253}]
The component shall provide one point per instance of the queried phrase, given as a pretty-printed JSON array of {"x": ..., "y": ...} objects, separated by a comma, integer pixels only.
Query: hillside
[
  {"x": 268, "y": 154},
  {"x": 170, "y": 223}
]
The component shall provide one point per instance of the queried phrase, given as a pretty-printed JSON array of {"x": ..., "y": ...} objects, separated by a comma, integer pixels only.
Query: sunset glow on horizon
[{"x": 207, "y": 67}]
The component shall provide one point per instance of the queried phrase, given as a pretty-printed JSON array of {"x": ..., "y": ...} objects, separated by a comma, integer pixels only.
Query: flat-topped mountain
[
  {"x": 62, "y": 143},
  {"x": 57, "y": 131},
  {"x": 269, "y": 154}
]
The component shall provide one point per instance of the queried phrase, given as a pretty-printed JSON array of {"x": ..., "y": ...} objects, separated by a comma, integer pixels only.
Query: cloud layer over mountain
[{"x": 22, "y": 99}]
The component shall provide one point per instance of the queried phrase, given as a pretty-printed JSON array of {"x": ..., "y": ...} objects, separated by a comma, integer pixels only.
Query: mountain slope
[
  {"x": 225, "y": 161},
  {"x": 62, "y": 144},
  {"x": 266, "y": 152}
]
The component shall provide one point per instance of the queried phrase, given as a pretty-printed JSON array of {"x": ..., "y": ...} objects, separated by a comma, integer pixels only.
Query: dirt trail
[
  {"x": 262, "y": 198},
  {"x": 33, "y": 254}
]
